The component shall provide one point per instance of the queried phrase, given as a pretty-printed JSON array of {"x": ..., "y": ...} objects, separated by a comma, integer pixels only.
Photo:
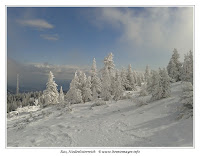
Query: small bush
[{"x": 99, "y": 103}]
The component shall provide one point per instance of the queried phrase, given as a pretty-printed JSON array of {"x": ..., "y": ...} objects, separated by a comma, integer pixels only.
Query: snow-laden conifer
[
  {"x": 94, "y": 94},
  {"x": 156, "y": 86},
  {"x": 74, "y": 93},
  {"x": 95, "y": 81},
  {"x": 187, "y": 94},
  {"x": 165, "y": 82},
  {"x": 109, "y": 64},
  {"x": 125, "y": 82},
  {"x": 147, "y": 73},
  {"x": 174, "y": 66},
  {"x": 87, "y": 93},
  {"x": 131, "y": 78},
  {"x": 135, "y": 76},
  {"x": 139, "y": 79},
  {"x": 187, "y": 70},
  {"x": 106, "y": 83},
  {"x": 149, "y": 84},
  {"x": 143, "y": 91},
  {"x": 160, "y": 85},
  {"x": 142, "y": 77},
  {"x": 61, "y": 95},
  {"x": 118, "y": 90},
  {"x": 82, "y": 80},
  {"x": 51, "y": 93}
]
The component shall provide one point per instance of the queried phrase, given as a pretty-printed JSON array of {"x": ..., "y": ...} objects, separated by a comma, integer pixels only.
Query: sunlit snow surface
[{"x": 124, "y": 123}]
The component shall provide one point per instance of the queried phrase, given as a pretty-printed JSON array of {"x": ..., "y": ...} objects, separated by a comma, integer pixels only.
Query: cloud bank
[
  {"x": 36, "y": 23},
  {"x": 36, "y": 74},
  {"x": 161, "y": 28}
]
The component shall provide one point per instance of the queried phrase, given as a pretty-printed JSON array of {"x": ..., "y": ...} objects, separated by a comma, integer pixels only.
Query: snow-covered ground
[{"x": 131, "y": 122}]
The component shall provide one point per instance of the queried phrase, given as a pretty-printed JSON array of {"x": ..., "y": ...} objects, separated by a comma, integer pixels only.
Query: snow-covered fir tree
[
  {"x": 61, "y": 95},
  {"x": 51, "y": 93},
  {"x": 139, "y": 79},
  {"x": 82, "y": 80},
  {"x": 94, "y": 94},
  {"x": 147, "y": 73},
  {"x": 118, "y": 90},
  {"x": 143, "y": 91},
  {"x": 142, "y": 77},
  {"x": 135, "y": 76},
  {"x": 174, "y": 66},
  {"x": 125, "y": 82},
  {"x": 87, "y": 93},
  {"x": 130, "y": 78},
  {"x": 160, "y": 85},
  {"x": 165, "y": 82},
  {"x": 187, "y": 70},
  {"x": 109, "y": 64},
  {"x": 95, "y": 81},
  {"x": 191, "y": 63},
  {"x": 156, "y": 86},
  {"x": 106, "y": 83},
  {"x": 187, "y": 95},
  {"x": 149, "y": 84},
  {"x": 74, "y": 93}
]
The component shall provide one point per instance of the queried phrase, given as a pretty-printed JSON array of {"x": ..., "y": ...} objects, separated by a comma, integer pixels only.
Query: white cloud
[
  {"x": 52, "y": 37},
  {"x": 149, "y": 28},
  {"x": 36, "y": 23}
]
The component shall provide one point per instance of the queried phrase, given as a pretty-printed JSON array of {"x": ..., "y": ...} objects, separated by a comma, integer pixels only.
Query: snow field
[{"x": 125, "y": 123}]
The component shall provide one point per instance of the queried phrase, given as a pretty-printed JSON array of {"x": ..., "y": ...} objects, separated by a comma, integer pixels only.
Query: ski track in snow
[{"x": 116, "y": 124}]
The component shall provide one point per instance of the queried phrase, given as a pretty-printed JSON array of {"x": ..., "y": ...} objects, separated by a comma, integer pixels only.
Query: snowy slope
[{"x": 125, "y": 123}]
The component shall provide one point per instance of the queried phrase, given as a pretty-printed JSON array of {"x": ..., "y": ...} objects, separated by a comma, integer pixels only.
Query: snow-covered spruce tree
[
  {"x": 160, "y": 85},
  {"x": 74, "y": 93},
  {"x": 95, "y": 81},
  {"x": 94, "y": 94},
  {"x": 109, "y": 64},
  {"x": 82, "y": 80},
  {"x": 51, "y": 93},
  {"x": 118, "y": 90},
  {"x": 106, "y": 83},
  {"x": 61, "y": 95},
  {"x": 165, "y": 82},
  {"x": 143, "y": 91},
  {"x": 142, "y": 77},
  {"x": 174, "y": 66},
  {"x": 139, "y": 79},
  {"x": 149, "y": 83},
  {"x": 147, "y": 73},
  {"x": 125, "y": 83},
  {"x": 191, "y": 62},
  {"x": 130, "y": 78},
  {"x": 187, "y": 95},
  {"x": 135, "y": 76},
  {"x": 187, "y": 70},
  {"x": 156, "y": 86},
  {"x": 87, "y": 93}
]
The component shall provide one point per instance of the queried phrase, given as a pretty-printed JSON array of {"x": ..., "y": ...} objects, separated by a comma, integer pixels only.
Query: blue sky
[
  {"x": 69, "y": 38},
  {"x": 73, "y": 36}
]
